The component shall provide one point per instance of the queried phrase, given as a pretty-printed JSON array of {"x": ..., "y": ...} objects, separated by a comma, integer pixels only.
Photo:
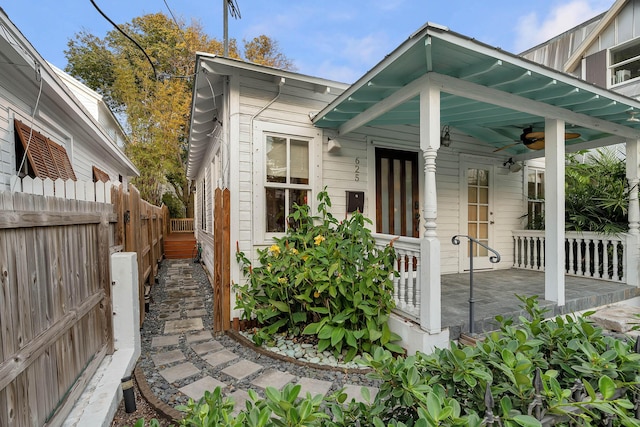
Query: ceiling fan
[{"x": 534, "y": 140}]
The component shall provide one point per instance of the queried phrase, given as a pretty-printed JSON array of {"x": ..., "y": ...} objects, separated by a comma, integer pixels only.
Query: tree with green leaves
[
  {"x": 155, "y": 99},
  {"x": 597, "y": 192}
]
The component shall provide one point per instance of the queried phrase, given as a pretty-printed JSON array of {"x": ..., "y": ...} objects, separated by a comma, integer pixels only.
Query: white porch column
[
  {"x": 430, "y": 301},
  {"x": 554, "y": 211},
  {"x": 633, "y": 241}
]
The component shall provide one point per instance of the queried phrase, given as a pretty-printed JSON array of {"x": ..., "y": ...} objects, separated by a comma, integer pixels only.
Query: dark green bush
[{"x": 324, "y": 278}]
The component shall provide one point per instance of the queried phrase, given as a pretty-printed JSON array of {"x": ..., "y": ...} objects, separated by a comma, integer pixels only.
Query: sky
[{"x": 333, "y": 39}]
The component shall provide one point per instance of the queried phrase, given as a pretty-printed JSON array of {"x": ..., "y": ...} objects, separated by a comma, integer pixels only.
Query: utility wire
[
  {"x": 33, "y": 116},
  {"x": 234, "y": 10},
  {"x": 184, "y": 39},
  {"x": 155, "y": 73},
  {"x": 172, "y": 15}
]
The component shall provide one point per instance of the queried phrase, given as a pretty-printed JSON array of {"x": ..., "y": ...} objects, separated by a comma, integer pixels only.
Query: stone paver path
[{"x": 181, "y": 314}]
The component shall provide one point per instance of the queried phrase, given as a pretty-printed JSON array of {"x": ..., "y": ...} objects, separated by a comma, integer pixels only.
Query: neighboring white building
[
  {"x": 604, "y": 50},
  {"x": 68, "y": 137},
  {"x": 94, "y": 103}
]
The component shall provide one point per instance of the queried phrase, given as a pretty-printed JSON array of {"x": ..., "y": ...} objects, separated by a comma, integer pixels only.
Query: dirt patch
[{"x": 143, "y": 410}]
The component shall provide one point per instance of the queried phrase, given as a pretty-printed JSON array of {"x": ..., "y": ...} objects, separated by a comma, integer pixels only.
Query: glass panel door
[{"x": 479, "y": 215}]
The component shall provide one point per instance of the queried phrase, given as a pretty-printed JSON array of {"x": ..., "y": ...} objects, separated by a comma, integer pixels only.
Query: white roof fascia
[
  {"x": 493, "y": 52},
  {"x": 366, "y": 78},
  {"x": 263, "y": 69}
]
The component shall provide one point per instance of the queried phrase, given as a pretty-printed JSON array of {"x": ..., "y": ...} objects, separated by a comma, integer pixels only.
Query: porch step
[
  {"x": 472, "y": 340},
  {"x": 179, "y": 249}
]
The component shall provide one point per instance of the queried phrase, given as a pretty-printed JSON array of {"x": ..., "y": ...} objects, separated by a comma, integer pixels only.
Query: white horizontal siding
[
  {"x": 82, "y": 153},
  {"x": 7, "y": 152},
  {"x": 338, "y": 169}
]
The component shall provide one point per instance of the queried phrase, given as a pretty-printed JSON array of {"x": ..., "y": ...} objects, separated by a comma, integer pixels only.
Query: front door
[
  {"x": 397, "y": 193},
  {"x": 478, "y": 180}
]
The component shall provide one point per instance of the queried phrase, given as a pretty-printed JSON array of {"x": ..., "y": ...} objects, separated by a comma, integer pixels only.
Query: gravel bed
[{"x": 154, "y": 324}]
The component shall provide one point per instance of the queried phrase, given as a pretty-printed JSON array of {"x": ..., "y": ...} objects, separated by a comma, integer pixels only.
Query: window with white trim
[
  {"x": 624, "y": 62},
  {"x": 203, "y": 205},
  {"x": 535, "y": 199},
  {"x": 287, "y": 178}
]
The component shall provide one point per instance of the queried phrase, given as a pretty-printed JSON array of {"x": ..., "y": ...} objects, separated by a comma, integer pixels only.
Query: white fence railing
[
  {"x": 73, "y": 190},
  {"x": 587, "y": 254},
  {"x": 406, "y": 286}
]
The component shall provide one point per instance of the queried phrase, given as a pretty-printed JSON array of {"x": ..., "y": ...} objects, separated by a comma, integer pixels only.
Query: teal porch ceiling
[{"x": 436, "y": 50}]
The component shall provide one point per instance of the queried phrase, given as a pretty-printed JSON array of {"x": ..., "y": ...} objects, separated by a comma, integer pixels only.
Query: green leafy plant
[
  {"x": 597, "y": 192},
  {"x": 571, "y": 353},
  {"x": 213, "y": 409},
  {"x": 278, "y": 409},
  {"x": 152, "y": 423},
  {"x": 323, "y": 278}
]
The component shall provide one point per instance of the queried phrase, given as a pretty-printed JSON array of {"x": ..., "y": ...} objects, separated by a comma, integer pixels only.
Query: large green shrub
[
  {"x": 567, "y": 355},
  {"x": 597, "y": 192},
  {"x": 324, "y": 278}
]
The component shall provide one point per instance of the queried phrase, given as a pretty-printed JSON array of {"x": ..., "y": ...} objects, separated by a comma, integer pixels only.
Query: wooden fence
[
  {"x": 142, "y": 227},
  {"x": 55, "y": 292}
]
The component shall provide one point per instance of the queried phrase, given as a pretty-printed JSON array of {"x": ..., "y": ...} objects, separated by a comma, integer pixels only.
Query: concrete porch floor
[{"x": 495, "y": 294}]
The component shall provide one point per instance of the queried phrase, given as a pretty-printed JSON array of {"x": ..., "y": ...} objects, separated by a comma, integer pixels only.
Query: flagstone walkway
[{"x": 182, "y": 359}]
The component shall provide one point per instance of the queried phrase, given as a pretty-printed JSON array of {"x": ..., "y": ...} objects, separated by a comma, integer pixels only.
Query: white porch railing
[
  {"x": 587, "y": 254},
  {"x": 182, "y": 225},
  {"x": 406, "y": 286}
]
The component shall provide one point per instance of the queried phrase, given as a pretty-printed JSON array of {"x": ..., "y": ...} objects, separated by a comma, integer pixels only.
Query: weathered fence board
[{"x": 55, "y": 290}]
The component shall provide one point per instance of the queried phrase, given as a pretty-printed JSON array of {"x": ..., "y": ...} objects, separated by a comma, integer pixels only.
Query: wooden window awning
[
  {"x": 100, "y": 175},
  {"x": 46, "y": 158}
]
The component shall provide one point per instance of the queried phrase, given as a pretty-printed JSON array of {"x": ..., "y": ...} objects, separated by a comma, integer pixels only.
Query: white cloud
[
  {"x": 346, "y": 58},
  {"x": 533, "y": 29},
  {"x": 364, "y": 50},
  {"x": 340, "y": 73}
]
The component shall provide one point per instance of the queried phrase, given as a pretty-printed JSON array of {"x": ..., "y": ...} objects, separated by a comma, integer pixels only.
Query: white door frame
[{"x": 476, "y": 162}]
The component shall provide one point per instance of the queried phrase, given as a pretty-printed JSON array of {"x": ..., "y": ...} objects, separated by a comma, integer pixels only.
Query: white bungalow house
[
  {"x": 65, "y": 124},
  {"x": 427, "y": 139}
]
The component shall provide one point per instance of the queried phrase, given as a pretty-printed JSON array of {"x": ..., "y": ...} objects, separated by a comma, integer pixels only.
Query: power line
[{"x": 155, "y": 73}]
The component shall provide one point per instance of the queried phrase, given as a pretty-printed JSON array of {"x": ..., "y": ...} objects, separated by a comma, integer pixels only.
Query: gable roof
[
  {"x": 210, "y": 73},
  {"x": 486, "y": 92},
  {"x": 606, "y": 20}
]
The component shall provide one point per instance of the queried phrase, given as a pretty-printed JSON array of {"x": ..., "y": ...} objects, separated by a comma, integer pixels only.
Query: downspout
[{"x": 281, "y": 81}]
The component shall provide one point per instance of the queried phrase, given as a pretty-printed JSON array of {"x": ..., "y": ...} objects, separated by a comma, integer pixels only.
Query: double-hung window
[
  {"x": 535, "y": 199},
  {"x": 287, "y": 178}
]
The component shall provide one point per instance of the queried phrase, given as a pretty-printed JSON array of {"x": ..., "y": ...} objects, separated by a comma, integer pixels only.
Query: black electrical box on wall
[{"x": 355, "y": 201}]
